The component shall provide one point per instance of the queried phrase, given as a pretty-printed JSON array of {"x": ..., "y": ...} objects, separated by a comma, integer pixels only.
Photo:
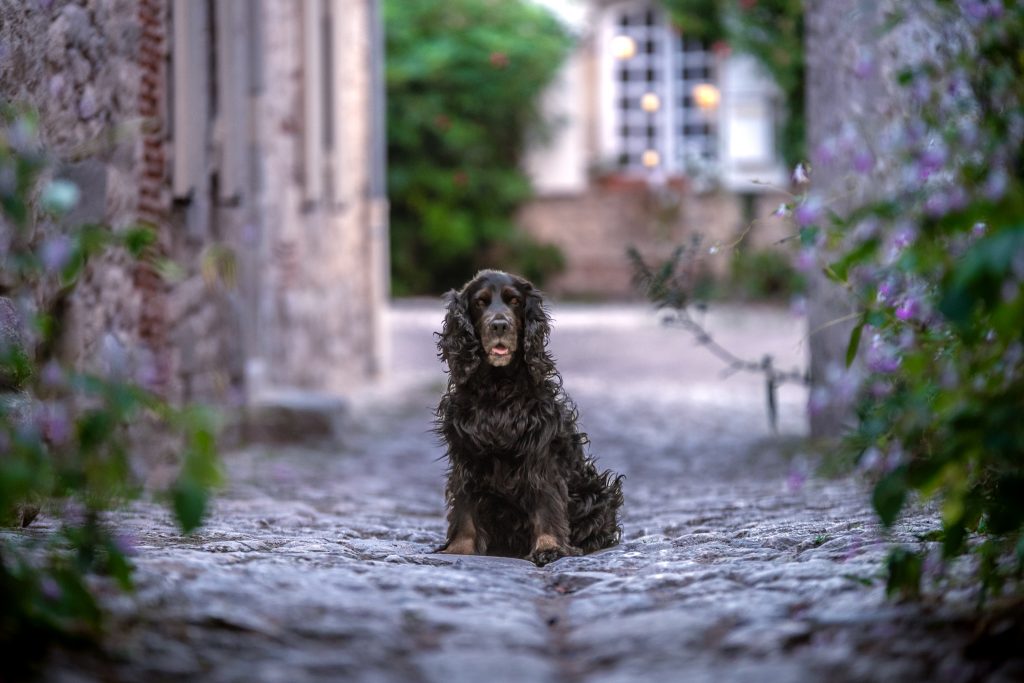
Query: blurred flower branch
[{"x": 66, "y": 433}]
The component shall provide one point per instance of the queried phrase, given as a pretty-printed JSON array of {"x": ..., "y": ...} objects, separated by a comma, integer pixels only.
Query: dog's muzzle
[{"x": 499, "y": 339}]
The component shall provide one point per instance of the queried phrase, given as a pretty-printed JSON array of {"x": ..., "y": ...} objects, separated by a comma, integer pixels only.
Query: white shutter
[
  {"x": 233, "y": 112},
  {"x": 312, "y": 69},
  {"x": 191, "y": 107}
]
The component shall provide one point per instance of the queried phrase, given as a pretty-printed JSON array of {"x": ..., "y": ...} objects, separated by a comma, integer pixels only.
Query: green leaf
[
  {"x": 189, "y": 500},
  {"x": 889, "y": 495},
  {"x": 859, "y": 254},
  {"x": 905, "y": 569},
  {"x": 137, "y": 239},
  {"x": 851, "y": 348}
]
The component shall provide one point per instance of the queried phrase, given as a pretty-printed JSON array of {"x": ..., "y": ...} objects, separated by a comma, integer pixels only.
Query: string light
[
  {"x": 650, "y": 102},
  {"x": 623, "y": 47},
  {"x": 650, "y": 158},
  {"x": 706, "y": 96}
]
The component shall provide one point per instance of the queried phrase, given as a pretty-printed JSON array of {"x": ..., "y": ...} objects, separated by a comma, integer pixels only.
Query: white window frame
[{"x": 670, "y": 85}]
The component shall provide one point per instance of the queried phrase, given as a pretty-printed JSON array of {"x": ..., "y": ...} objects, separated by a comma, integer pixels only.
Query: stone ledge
[{"x": 294, "y": 417}]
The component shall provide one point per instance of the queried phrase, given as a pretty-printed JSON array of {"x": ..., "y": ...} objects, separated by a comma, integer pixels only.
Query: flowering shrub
[
  {"x": 63, "y": 433},
  {"x": 464, "y": 79},
  {"x": 937, "y": 268}
]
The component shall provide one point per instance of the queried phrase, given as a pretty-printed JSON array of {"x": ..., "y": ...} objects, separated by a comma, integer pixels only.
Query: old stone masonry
[{"x": 737, "y": 564}]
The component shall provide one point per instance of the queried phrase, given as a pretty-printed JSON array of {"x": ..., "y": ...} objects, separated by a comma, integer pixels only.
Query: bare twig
[{"x": 666, "y": 287}]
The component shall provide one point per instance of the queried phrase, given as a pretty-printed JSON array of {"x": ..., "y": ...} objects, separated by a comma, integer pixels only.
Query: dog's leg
[
  {"x": 463, "y": 536},
  {"x": 550, "y": 522}
]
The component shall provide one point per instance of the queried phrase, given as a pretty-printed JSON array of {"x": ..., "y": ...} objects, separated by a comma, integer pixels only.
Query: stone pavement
[{"x": 736, "y": 565}]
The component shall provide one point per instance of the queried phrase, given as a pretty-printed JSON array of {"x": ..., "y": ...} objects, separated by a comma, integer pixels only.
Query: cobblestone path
[{"x": 736, "y": 564}]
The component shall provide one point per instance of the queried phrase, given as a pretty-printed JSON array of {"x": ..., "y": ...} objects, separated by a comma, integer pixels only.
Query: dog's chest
[{"x": 503, "y": 429}]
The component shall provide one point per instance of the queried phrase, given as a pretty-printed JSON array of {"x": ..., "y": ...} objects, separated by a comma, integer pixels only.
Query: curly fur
[{"x": 519, "y": 481}]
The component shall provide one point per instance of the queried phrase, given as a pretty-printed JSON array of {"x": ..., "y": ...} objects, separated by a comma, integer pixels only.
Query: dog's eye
[
  {"x": 481, "y": 303},
  {"x": 514, "y": 301}
]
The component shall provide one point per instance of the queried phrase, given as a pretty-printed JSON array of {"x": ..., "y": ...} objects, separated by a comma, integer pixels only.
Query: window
[{"x": 663, "y": 96}]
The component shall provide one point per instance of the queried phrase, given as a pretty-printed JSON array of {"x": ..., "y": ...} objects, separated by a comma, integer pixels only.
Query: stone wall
[
  {"x": 76, "y": 64},
  {"x": 270, "y": 289},
  {"x": 321, "y": 293},
  {"x": 594, "y": 229},
  {"x": 840, "y": 97}
]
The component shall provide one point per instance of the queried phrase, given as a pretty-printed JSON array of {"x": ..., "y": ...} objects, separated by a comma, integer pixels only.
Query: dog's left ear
[
  {"x": 457, "y": 344},
  {"x": 536, "y": 329}
]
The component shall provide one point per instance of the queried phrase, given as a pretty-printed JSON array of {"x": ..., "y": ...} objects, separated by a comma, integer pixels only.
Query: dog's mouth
[{"x": 499, "y": 353}]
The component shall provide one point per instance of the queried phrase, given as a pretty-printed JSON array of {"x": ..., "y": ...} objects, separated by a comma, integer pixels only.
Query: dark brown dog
[{"x": 519, "y": 482}]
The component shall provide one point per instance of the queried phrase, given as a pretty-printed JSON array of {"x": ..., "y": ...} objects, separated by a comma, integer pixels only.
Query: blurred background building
[
  {"x": 249, "y": 135},
  {"x": 658, "y": 136}
]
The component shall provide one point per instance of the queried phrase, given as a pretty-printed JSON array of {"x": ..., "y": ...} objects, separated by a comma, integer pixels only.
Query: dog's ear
[
  {"x": 536, "y": 329},
  {"x": 457, "y": 344}
]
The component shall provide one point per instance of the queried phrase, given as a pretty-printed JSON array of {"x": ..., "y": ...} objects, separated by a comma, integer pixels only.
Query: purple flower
[
  {"x": 1010, "y": 290},
  {"x": 881, "y": 357},
  {"x": 863, "y": 162},
  {"x": 782, "y": 211},
  {"x": 50, "y": 589},
  {"x": 810, "y": 211},
  {"x": 825, "y": 153},
  {"x": 968, "y": 130},
  {"x": 56, "y": 253},
  {"x": 52, "y": 375},
  {"x": 865, "y": 66},
  {"x": 996, "y": 184},
  {"x": 795, "y": 480},
  {"x": 818, "y": 401},
  {"x": 54, "y": 423},
  {"x": 886, "y": 289},
  {"x": 957, "y": 198},
  {"x": 904, "y": 237},
  {"x": 931, "y": 160},
  {"x": 936, "y": 205},
  {"x": 806, "y": 259},
  {"x": 880, "y": 389},
  {"x": 908, "y": 310},
  {"x": 978, "y": 230}
]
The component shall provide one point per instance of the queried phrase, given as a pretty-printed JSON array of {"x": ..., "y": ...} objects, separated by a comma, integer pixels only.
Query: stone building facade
[
  {"x": 249, "y": 136},
  {"x": 657, "y": 138}
]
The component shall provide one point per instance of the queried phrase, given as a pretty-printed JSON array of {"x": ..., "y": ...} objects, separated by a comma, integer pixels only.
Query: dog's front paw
[{"x": 549, "y": 555}]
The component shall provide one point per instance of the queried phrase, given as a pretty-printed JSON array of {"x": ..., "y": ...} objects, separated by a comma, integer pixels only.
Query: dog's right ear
[{"x": 457, "y": 344}]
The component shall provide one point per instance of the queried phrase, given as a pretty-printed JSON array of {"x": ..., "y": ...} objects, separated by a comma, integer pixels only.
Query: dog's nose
[{"x": 499, "y": 326}]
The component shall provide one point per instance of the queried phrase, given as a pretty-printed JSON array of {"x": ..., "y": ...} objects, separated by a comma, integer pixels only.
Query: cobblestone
[{"x": 737, "y": 563}]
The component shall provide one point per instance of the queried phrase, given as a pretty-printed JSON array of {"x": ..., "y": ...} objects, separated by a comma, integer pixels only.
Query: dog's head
[{"x": 498, "y": 319}]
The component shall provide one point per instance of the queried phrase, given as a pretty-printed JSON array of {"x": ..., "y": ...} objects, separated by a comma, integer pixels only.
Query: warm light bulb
[
  {"x": 706, "y": 96},
  {"x": 650, "y": 102},
  {"x": 650, "y": 158},
  {"x": 623, "y": 47}
]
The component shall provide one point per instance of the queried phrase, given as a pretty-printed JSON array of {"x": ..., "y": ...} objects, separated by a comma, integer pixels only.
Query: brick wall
[
  {"x": 594, "y": 229},
  {"x": 153, "y": 201}
]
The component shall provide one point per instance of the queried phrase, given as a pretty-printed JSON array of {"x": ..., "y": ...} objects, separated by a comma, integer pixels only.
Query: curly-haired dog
[{"x": 519, "y": 482}]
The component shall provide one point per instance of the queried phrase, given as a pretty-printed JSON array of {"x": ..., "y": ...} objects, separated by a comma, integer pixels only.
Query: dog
[{"x": 519, "y": 482}]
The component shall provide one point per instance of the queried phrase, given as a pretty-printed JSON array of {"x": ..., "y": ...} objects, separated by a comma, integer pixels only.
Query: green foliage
[
  {"x": 937, "y": 267},
  {"x": 64, "y": 443},
  {"x": 772, "y": 31},
  {"x": 463, "y": 84},
  {"x": 763, "y": 274}
]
